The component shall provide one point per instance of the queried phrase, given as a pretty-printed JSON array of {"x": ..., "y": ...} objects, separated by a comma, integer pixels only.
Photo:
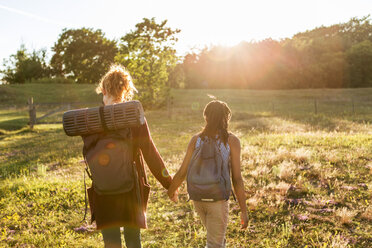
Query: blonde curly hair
[{"x": 117, "y": 83}]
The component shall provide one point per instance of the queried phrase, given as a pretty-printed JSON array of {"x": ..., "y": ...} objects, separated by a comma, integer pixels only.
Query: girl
[
  {"x": 125, "y": 210},
  {"x": 214, "y": 215}
]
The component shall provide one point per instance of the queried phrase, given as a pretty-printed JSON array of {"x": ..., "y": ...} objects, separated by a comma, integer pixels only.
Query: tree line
[
  {"x": 326, "y": 57},
  {"x": 84, "y": 55},
  {"x": 337, "y": 56}
]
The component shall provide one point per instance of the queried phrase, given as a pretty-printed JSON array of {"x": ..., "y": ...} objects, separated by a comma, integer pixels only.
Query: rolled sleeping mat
[{"x": 110, "y": 117}]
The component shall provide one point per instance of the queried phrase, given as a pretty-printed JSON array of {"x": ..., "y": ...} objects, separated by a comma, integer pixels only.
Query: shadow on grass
[
  {"x": 14, "y": 124},
  {"x": 284, "y": 122},
  {"x": 25, "y": 150},
  {"x": 23, "y": 130},
  {"x": 329, "y": 122}
]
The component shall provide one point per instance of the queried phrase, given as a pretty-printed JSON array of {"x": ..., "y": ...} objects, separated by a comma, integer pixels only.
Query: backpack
[
  {"x": 208, "y": 175},
  {"x": 110, "y": 161}
]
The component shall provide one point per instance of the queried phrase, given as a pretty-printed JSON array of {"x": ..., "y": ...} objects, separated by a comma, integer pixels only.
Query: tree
[
  {"x": 148, "y": 54},
  {"x": 83, "y": 55},
  {"x": 24, "y": 66},
  {"x": 360, "y": 64},
  {"x": 192, "y": 75},
  {"x": 176, "y": 77}
]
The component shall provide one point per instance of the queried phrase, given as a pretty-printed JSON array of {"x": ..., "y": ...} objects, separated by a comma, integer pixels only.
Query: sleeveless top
[{"x": 225, "y": 150}]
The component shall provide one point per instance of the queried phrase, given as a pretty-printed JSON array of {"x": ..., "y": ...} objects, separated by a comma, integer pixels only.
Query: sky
[{"x": 38, "y": 23}]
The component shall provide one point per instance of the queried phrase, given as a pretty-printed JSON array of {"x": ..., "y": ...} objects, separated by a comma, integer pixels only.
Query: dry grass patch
[
  {"x": 321, "y": 202},
  {"x": 281, "y": 187},
  {"x": 302, "y": 155},
  {"x": 260, "y": 171},
  {"x": 339, "y": 241},
  {"x": 367, "y": 214},
  {"x": 286, "y": 170},
  {"x": 283, "y": 154},
  {"x": 272, "y": 124},
  {"x": 369, "y": 166},
  {"x": 248, "y": 151},
  {"x": 253, "y": 201},
  {"x": 345, "y": 216},
  {"x": 331, "y": 156}
]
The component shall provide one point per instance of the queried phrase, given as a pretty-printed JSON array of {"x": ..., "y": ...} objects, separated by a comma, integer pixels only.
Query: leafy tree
[
  {"x": 325, "y": 57},
  {"x": 83, "y": 55},
  {"x": 360, "y": 64},
  {"x": 192, "y": 73},
  {"x": 176, "y": 78},
  {"x": 149, "y": 55},
  {"x": 356, "y": 30},
  {"x": 23, "y": 66}
]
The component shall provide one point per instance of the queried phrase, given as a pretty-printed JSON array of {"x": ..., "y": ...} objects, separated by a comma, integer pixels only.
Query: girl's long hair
[{"x": 217, "y": 116}]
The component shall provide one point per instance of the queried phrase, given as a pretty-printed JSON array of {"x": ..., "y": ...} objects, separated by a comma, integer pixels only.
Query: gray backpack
[
  {"x": 208, "y": 175},
  {"x": 111, "y": 164}
]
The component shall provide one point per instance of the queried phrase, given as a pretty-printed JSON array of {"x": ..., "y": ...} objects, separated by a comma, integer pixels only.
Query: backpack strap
[
  {"x": 102, "y": 117},
  {"x": 230, "y": 172},
  {"x": 229, "y": 164},
  {"x": 89, "y": 141},
  {"x": 85, "y": 199},
  {"x": 87, "y": 171}
]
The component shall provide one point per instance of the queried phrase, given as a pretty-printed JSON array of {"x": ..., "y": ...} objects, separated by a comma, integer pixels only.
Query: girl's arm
[
  {"x": 181, "y": 173},
  {"x": 237, "y": 179}
]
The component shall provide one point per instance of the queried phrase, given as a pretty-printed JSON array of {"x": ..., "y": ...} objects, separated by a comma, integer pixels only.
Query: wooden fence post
[
  {"x": 170, "y": 106},
  {"x": 353, "y": 105},
  {"x": 315, "y": 106},
  {"x": 31, "y": 112}
]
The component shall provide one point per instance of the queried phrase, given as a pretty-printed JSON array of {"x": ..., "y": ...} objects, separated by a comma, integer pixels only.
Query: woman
[
  {"x": 125, "y": 210},
  {"x": 214, "y": 215}
]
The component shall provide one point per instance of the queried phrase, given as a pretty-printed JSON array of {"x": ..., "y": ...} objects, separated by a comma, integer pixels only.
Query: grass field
[{"x": 308, "y": 176}]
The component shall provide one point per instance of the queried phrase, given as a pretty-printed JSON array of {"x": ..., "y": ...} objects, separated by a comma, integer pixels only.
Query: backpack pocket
[
  {"x": 207, "y": 192},
  {"x": 205, "y": 177},
  {"x": 111, "y": 166}
]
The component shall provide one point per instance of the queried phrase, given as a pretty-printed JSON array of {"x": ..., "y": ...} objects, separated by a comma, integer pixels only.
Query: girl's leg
[
  {"x": 215, "y": 217},
  {"x": 111, "y": 237},
  {"x": 199, "y": 208},
  {"x": 132, "y": 236}
]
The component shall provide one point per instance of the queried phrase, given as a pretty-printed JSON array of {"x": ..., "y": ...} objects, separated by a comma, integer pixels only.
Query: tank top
[{"x": 225, "y": 150}]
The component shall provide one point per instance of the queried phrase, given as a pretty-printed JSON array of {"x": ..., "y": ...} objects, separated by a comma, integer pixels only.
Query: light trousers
[{"x": 214, "y": 216}]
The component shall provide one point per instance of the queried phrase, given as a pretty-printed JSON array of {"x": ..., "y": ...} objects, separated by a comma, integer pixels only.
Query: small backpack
[
  {"x": 110, "y": 162},
  {"x": 208, "y": 175}
]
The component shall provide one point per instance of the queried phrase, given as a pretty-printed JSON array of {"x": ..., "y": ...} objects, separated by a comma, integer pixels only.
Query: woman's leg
[
  {"x": 111, "y": 237},
  {"x": 132, "y": 236}
]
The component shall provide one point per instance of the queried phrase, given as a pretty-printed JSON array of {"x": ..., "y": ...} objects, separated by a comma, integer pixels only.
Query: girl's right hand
[{"x": 173, "y": 195}]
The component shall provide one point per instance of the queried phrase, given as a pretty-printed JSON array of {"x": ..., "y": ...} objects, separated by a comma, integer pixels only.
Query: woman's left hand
[{"x": 173, "y": 196}]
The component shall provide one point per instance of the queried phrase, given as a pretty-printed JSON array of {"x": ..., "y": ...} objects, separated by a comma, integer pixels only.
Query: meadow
[{"x": 306, "y": 163}]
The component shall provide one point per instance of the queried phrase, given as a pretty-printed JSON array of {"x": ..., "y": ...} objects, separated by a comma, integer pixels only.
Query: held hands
[{"x": 173, "y": 195}]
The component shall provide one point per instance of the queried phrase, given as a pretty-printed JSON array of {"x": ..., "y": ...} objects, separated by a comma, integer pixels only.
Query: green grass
[
  {"x": 307, "y": 176},
  {"x": 17, "y": 94}
]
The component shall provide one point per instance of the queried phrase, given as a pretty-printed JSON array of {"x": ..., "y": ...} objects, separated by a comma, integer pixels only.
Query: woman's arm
[
  {"x": 154, "y": 161},
  {"x": 237, "y": 179},
  {"x": 181, "y": 173}
]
